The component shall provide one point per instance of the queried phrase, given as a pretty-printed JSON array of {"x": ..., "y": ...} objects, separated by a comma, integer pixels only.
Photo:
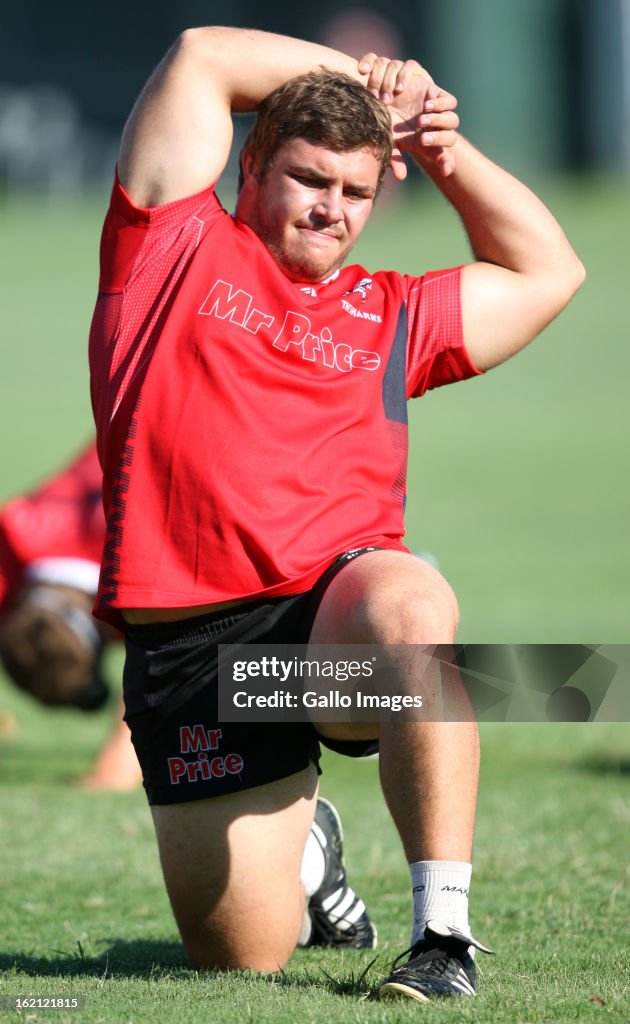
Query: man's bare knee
[
  {"x": 207, "y": 954},
  {"x": 387, "y": 597},
  {"x": 409, "y": 613}
]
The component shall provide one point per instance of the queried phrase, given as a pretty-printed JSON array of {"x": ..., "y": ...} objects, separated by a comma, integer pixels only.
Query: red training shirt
[{"x": 250, "y": 428}]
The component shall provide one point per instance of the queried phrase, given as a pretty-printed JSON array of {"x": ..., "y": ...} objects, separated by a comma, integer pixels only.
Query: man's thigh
[
  {"x": 232, "y": 870},
  {"x": 383, "y": 597}
]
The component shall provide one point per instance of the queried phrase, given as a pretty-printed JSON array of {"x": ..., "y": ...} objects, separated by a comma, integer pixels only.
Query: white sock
[
  {"x": 440, "y": 893},
  {"x": 313, "y": 862},
  {"x": 312, "y": 876}
]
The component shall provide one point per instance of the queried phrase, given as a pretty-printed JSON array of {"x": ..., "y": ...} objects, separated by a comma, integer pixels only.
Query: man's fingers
[
  {"x": 391, "y": 83},
  {"x": 409, "y": 70},
  {"x": 388, "y": 78},
  {"x": 439, "y": 101},
  {"x": 378, "y": 70},
  {"x": 448, "y": 121},
  {"x": 367, "y": 63},
  {"x": 438, "y": 130},
  {"x": 439, "y": 139},
  {"x": 398, "y": 165}
]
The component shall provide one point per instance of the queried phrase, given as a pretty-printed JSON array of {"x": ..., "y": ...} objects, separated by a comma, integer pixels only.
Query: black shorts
[{"x": 170, "y": 691}]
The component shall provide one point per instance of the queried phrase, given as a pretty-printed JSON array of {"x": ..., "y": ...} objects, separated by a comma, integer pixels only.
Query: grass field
[
  {"x": 519, "y": 485},
  {"x": 85, "y": 913}
]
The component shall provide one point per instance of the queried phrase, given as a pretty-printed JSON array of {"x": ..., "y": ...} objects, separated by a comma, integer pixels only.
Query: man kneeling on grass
[{"x": 249, "y": 393}]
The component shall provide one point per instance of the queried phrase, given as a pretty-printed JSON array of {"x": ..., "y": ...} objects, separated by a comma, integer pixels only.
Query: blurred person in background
[
  {"x": 357, "y": 30},
  {"x": 51, "y": 646},
  {"x": 250, "y": 397}
]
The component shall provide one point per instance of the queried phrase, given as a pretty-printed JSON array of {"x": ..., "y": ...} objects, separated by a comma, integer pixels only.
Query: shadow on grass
[
  {"x": 602, "y": 764},
  {"x": 349, "y": 982},
  {"x": 137, "y": 959},
  {"x": 167, "y": 960}
]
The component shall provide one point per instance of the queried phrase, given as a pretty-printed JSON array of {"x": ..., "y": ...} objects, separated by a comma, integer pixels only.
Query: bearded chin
[
  {"x": 303, "y": 268},
  {"x": 297, "y": 266}
]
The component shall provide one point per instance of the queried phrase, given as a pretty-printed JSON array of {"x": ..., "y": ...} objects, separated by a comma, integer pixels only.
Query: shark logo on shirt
[{"x": 363, "y": 287}]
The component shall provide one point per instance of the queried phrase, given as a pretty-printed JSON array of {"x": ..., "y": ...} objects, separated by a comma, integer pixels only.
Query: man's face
[{"x": 311, "y": 206}]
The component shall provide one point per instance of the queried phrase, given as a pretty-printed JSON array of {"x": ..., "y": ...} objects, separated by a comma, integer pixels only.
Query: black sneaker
[
  {"x": 337, "y": 916},
  {"x": 439, "y": 965}
]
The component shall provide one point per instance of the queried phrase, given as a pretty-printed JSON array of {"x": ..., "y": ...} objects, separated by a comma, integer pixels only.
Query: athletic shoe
[
  {"x": 439, "y": 965},
  {"x": 337, "y": 916}
]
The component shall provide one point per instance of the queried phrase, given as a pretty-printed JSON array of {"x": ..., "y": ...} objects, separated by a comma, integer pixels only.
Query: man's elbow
[
  {"x": 577, "y": 275},
  {"x": 568, "y": 280},
  {"x": 203, "y": 42}
]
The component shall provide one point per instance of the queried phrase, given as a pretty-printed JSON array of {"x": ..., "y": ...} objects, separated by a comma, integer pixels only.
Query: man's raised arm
[
  {"x": 178, "y": 137},
  {"x": 525, "y": 271}
]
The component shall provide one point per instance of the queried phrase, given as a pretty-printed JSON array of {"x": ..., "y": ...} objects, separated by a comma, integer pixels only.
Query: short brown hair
[
  {"x": 326, "y": 108},
  {"x": 50, "y": 646}
]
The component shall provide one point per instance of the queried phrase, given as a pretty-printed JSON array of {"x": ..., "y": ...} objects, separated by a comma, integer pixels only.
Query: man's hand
[{"x": 423, "y": 115}]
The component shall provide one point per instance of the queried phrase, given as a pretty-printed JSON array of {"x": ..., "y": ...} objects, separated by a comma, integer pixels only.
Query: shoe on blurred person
[{"x": 335, "y": 915}]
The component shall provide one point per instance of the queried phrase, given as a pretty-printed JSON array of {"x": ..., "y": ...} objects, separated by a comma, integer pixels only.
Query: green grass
[
  {"x": 84, "y": 911},
  {"x": 519, "y": 485}
]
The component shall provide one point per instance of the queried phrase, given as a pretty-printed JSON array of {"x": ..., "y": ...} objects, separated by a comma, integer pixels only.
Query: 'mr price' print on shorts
[{"x": 196, "y": 739}]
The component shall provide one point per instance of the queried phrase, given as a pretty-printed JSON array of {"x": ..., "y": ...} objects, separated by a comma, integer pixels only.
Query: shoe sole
[{"x": 394, "y": 990}]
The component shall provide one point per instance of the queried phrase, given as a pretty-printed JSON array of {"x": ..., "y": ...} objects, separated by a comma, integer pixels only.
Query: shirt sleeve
[
  {"x": 436, "y": 354},
  {"x": 133, "y": 235},
  {"x": 144, "y": 255}
]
